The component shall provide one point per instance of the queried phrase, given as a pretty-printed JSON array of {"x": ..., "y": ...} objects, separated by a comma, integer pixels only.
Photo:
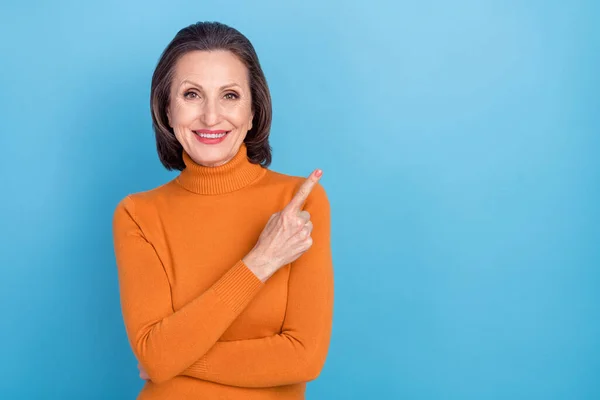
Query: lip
[
  {"x": 209, "y": 131},
  {"x": 208, "y": 140}
]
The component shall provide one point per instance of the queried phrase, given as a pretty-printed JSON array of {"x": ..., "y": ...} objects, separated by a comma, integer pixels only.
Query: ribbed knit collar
[{"x": 234, "y": 175}]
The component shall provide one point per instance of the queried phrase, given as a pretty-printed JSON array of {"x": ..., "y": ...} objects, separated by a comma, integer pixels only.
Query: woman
[{"x": 225, "y": 272}]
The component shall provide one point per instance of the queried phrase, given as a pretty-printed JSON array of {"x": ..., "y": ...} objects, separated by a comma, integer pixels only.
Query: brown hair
[{"x": 207, "y": 36}]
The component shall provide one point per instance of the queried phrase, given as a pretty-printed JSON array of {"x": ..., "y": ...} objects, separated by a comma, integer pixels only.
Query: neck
[{"x": 235, "y": 174}]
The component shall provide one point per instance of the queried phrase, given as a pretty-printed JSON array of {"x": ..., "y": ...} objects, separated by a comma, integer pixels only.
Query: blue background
[{"x": 459, "y": 143}]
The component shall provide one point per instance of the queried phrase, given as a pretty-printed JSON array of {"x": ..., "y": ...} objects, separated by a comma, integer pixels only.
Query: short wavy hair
[{"x": 207, "y": 36}]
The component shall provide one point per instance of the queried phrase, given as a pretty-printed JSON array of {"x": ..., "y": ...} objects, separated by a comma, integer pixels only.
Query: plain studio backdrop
[{"x": 459, "y": 143}]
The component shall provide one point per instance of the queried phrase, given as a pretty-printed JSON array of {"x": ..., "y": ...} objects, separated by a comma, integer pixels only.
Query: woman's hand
[
  {"x": 143, "y": 374},
  {"x": 286, "y": 236}
]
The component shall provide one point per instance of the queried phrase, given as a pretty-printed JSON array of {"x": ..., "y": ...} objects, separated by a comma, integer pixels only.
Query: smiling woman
[
  {"x": 209, "y": 79},
  {"x": 205, "y": 108},
  {"x": 225, "y": 272}
]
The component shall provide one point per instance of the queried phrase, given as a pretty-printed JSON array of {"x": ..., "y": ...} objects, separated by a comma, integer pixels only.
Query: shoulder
[{"x": 138, "y": 203}]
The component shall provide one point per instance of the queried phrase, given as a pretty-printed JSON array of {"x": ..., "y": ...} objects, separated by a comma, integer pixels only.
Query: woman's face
[{"x": 210, "y": 92}]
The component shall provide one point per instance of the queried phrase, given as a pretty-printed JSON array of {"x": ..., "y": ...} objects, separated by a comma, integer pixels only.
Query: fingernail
[{"x": 319, "y": 173}]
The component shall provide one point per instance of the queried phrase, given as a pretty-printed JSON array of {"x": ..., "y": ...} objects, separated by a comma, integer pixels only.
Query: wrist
[{"x": 259, "y": 266}]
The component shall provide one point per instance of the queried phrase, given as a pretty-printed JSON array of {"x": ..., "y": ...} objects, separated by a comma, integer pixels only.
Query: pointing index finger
[{"x": 300, "y": 197}]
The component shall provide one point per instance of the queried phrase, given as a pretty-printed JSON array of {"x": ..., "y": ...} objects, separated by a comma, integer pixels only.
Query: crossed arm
[{"x": 185, "y": 342}]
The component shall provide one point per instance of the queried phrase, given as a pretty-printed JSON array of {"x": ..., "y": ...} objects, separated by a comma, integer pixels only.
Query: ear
[
  {"x": 169, "y": 117},
  {"x": 251, "y": 119}
]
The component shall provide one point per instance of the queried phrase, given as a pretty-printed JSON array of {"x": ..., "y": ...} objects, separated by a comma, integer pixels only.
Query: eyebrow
[{"x": 200, "y": 86}]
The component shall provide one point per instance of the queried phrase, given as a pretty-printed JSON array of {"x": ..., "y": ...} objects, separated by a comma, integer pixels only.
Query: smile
[
  {"x": 210, "y": 137},
  {"x": 211, "y": 134}
]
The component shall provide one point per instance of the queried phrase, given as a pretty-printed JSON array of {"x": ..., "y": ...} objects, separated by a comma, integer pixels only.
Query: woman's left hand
[{"x": 143, "y": 374}]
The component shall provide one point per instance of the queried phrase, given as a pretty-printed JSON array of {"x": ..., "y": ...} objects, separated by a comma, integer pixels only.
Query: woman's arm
[
  {"x": 166, "y": 342},
  {"x": 298, "y": 353}
]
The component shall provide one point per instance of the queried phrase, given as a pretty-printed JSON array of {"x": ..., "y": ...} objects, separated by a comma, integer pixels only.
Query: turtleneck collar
[{"x": 234, "y": 175}]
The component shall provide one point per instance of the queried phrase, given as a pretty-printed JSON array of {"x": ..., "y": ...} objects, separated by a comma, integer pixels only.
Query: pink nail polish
[{"x": 319, "y": 173}]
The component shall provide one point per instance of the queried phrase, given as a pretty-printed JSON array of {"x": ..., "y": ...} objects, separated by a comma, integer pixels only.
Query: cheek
[
  {"x": 240, "y": 115},
  {"x": 183, "y": 114}
]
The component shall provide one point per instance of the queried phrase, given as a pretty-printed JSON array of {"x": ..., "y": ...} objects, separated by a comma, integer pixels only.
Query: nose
[{"x": 210, "y": 113}]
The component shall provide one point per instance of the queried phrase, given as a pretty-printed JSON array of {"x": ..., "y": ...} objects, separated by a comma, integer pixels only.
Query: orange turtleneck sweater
[{"x": 198, "y": 320}]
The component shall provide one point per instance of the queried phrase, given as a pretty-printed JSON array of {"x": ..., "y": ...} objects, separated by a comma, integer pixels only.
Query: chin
[{"x": 212, "y": 155}]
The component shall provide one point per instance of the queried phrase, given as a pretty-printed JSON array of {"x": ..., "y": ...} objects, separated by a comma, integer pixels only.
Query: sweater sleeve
[
  {"x": 166, "y": 342},
  {"x": 298, "y": 353}
]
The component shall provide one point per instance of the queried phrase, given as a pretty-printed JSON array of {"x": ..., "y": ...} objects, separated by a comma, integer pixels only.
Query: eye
[
  {"x": 231, "y": 96},
  {"x": 190, "y": 95}
]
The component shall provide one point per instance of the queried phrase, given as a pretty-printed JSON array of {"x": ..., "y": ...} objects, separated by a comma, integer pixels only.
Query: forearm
[
  {"x": 165, "y": 341},
  {"x": 298, "y": 353},
  {"x": 272, "y": 361},
  {"x": 166, "y": 347}
]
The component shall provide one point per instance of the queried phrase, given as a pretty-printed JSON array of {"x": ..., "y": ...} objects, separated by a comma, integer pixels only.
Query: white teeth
[{"x": 211, "y": 135}]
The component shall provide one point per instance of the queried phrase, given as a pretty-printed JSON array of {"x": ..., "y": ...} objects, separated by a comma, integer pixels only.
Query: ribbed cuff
[
  {"x": 238, "y": 286},
  {"x": 199, "y": 367}
]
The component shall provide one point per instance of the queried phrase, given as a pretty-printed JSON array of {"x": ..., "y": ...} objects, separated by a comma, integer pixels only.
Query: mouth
[{"x": 208, "y": 134}]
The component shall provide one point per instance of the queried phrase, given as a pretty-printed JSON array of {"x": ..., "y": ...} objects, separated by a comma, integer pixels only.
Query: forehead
[{"x": 211, "y": 67}]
